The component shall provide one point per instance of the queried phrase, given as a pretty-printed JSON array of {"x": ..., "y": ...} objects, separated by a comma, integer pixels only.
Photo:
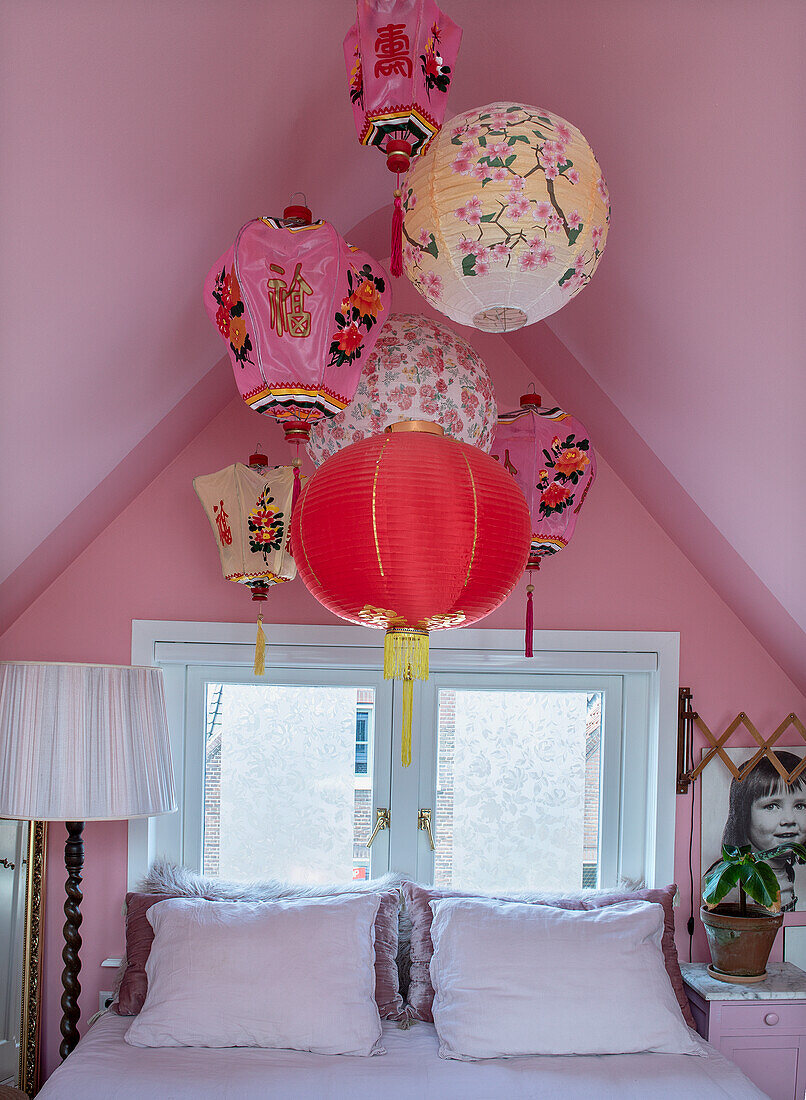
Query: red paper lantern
[{"x": 411, "y": 531}]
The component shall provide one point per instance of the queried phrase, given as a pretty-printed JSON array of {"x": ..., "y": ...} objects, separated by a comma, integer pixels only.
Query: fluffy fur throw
[{"x": 167, "y": 878}]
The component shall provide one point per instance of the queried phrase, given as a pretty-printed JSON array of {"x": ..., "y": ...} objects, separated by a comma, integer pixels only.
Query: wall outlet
[{"x": 105, "y": 998}]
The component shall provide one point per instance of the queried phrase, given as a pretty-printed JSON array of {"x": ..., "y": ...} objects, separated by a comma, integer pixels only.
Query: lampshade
[
  {"x": 506, "y": 217},
  {"x": 83, "y": 742}
]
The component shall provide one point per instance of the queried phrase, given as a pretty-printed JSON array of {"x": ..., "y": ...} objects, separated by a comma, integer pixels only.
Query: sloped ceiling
[{"x": 137, "y": 138}]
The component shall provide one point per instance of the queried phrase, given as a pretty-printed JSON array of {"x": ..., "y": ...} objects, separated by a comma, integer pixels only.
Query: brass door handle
[
  {"x": 424, "y": 823},
  {"x": 383, "y": 820}
]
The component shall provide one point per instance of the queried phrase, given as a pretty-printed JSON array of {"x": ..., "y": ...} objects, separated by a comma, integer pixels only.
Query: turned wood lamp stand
[
  {"x": 74, "y": 864},
  {"x": 81, "y": 743}
]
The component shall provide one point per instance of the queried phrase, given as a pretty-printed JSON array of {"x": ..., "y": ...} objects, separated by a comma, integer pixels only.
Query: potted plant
[{"x": 740, "y": 936}]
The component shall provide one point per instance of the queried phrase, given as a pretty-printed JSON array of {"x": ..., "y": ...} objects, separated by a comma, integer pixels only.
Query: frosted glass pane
[
  {"x": 515, "y": 771},
  {"x": 286, "y": 789}
]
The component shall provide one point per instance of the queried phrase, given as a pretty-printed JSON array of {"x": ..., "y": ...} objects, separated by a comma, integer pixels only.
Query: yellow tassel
[
  {"x": 405, "y": 654},
  {"x": 405, "y": 657},
  {"x": 405, "y": 741},
  {"x": 260, "y": 648}
]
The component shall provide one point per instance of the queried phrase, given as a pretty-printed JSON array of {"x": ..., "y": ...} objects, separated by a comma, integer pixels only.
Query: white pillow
[
  {"x": 517, "y": 979},
  {"x": 297, "y": 974}
]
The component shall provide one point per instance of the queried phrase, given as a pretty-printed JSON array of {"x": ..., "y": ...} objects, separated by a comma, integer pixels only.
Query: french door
[{"x": 515, "y": 778}]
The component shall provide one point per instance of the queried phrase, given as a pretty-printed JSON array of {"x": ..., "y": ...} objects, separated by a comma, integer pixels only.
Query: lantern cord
[
  {"x": 405, "y": 741},
  {"x": 396, "y": 264},
  {"x": 530, "y": 618},
  {"x": 260, "y": 647}
]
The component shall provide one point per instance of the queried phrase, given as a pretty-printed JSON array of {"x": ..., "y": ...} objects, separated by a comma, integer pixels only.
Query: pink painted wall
[{"x": 157, "y": 560}]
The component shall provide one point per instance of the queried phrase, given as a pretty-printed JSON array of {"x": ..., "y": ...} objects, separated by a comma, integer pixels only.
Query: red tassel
[
  {"x": 530, "y": 620},
  {"x": 295, "y": 491},
  {"x": 396, "y": 266}
]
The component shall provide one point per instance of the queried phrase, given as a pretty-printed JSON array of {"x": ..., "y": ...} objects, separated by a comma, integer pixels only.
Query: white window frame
[{"x": 648, "y": 661}]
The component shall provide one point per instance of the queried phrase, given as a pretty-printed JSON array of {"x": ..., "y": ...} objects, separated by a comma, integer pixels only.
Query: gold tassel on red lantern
[{"x": 405, "y": 658}]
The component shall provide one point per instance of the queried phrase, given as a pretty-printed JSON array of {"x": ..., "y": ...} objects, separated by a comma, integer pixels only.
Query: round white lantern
[
  {"x": 419, "y": 369},
  {"x": 505, "y": 217}
]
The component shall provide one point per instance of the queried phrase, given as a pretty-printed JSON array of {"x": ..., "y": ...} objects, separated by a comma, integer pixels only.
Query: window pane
[
  {"x": 362, "y": 742},
  {"x": 281, "y": 797},
  {"x": 518, "y": 789}
]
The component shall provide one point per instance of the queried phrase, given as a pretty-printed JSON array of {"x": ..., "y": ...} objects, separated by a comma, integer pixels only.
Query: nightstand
[{"x": 761, "y": 1027}]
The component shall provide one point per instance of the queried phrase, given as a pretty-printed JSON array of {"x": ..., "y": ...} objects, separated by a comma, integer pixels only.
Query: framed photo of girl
[{"x": 761, "y": 810}]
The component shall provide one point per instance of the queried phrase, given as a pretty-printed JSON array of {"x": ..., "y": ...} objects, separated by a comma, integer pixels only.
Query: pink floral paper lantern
[
  {"x": 419, "y": 370},
  {"x": 549, "y": 454},
  {"x": 298, "y": 308},
  {"x": 400, "y": 56},
  {"x": 505, "y": 217}
]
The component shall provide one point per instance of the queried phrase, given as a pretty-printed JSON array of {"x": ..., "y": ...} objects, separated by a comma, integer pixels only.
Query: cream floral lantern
[
  {"x": 419, "y": 369},
  {"x": 505, "y": 217}
]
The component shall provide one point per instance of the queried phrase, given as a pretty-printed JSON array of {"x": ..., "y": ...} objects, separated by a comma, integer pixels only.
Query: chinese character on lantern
[
  {"x": 287, "y": 303},
  {"x": 222, "y": 523},
  {"x": 392, "y": 50}
]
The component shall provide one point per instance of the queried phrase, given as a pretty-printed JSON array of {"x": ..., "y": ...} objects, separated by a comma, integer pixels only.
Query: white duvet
[{"x": 104, "y": 1067}]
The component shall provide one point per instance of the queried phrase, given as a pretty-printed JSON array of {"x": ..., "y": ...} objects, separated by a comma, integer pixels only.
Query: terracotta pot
[{"x": 740, "y": 945}]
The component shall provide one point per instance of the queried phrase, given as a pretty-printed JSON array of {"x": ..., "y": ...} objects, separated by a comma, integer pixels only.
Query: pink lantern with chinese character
[
  {"x": 298, "y": 308},
  {"x": 400, "y": 56},
  {"x": 549, "y": 454}
]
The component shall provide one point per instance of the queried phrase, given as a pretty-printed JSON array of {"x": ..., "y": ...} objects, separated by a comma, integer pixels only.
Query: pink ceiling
[{"x": 137, "y": 137}]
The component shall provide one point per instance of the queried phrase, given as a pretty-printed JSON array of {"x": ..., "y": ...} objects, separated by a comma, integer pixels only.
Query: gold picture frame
[{"x": 29, "y": 1068}]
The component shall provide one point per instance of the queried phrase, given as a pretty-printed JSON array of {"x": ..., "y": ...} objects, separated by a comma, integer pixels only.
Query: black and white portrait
[{"x": 762, "y": 810}]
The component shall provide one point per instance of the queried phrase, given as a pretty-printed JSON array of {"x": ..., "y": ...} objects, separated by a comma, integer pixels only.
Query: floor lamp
[{"x": 81, "y": 743}]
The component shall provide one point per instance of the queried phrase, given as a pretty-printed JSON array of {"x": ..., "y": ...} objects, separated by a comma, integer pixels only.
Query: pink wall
[{"x": 157, "y": 560}]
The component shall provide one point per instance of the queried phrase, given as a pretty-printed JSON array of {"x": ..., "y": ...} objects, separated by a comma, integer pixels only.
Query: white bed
[{"x": 104, "y": 1067}]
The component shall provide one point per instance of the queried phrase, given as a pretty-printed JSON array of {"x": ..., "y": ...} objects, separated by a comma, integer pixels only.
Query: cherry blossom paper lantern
[
  {"x": 400, "y": 56},
  {"x": 505, "y": 217},
  {"x": 298, "y": 308},
  {"x": 549, "y": 454},
  {"x": 419, "y": 370},
  {"x": 410, "y": 531},
  {"x": 249, "y": 508}
]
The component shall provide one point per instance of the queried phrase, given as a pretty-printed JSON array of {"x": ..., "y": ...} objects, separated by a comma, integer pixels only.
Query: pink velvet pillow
[
  {"x": 418, "y": 899},
  {"x": 140, "y": 936}
]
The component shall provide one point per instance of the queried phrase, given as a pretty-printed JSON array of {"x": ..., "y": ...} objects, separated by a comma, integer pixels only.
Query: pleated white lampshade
[{"x": 83, "y": 742}]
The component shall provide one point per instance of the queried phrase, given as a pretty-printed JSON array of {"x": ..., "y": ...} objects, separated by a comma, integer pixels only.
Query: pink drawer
[{"x": 763, "y": 1016}]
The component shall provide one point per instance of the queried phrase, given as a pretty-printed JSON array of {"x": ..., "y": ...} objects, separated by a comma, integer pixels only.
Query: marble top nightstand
[
  {"x": 784, "y": 982},
  {"x": 760, "y": 1027}
]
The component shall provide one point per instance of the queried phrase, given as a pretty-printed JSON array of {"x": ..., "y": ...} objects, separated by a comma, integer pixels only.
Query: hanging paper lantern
[
  {"x": 298, "y": 309},
  {"x": 505, "y": 217},
  {"x": 419, "y": 370},
  {"x": 548, "y": 452},
  {"x": 249, "y": 509},
  {"x": 400, "y": 57},
  {"x": 410, "y": 531}
]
